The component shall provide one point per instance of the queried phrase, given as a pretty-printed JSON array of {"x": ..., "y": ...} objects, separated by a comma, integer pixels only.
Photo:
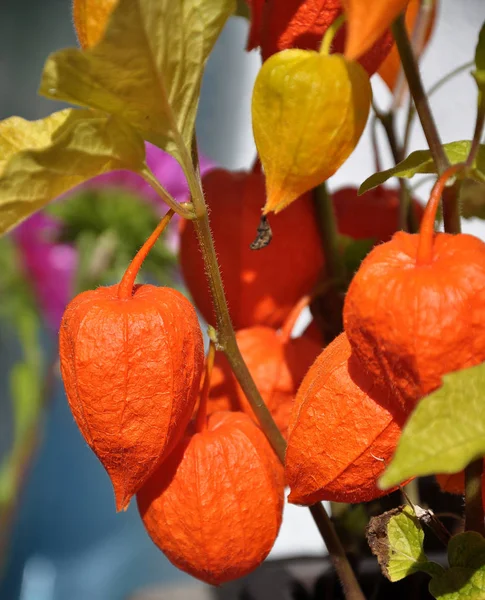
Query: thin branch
[
  {"x": 331, "y": 303},
  {"x": 477, "y": 135},
  {"x": 184, "y": 209},
  {"x": 416, "y": 89},
  {"x": 451, "y": 211},
  {"x": 407, "y": 218},
  {"x": 329, "y": 234}
]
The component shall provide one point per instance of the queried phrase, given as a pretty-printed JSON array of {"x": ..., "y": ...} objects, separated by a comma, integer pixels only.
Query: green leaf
[
  {"x": 421, "y": 161},
  {"x": 445, "y": 432},
  {"x": 467, "y": 550},
  {"x": 465, "y": 579},
  {"x": 396, "y": 538},
  {"x": 43, "y": 159},
  {"x": 479, "y": 73},
  {"x": 147, "y": 68}
]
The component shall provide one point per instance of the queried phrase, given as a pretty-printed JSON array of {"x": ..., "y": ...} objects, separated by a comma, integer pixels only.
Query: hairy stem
[
  {"x": 227, "y": 341},
  {"x": 473, "y": 497},
  {"x": 330, "y": 34},
  {"x": 125, "y": 288}
]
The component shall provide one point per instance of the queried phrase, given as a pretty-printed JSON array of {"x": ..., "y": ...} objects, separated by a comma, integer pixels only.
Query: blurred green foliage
[{"x": 108, "y": 227}]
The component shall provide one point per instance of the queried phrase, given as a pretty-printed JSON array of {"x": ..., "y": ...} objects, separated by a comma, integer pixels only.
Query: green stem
[
  {"x": 329, "y": 36},
  {"x": 407, "y": 219},
  {"x": 184, "y": 209},
  {"x": 451, "y": 212},
  {"x": 227, "y": 342},
  {"x": 477, "y": 135},
  {"x": 473, "y": 497},
  {"x": 329, "y": 233},
  {"x": 331, "y": 303}
]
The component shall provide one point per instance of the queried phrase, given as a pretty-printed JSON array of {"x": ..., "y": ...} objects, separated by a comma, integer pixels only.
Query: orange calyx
[
  {"x": 125, "y": 288},
  {"x": 426, "y": 232}
]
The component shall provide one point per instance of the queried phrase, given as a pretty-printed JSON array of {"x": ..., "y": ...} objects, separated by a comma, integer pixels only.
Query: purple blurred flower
[{"x": 51, "y": 266}]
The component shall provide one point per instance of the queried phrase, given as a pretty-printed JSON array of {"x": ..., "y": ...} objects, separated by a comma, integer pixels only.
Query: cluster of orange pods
[
  {"x": 132, "y": 364},
  {"x": 413, "y": 312},
  {"x": 210, "y": 491}
]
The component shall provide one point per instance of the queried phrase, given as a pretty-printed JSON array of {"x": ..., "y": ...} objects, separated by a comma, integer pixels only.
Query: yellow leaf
[
  {"x": 90, "y": 19},
  {"x": 147, "y": 68},
  {"x": 309, "y": 111},
  {"x": 367, "y": 21},
  {"x": 43, "y": 159}
]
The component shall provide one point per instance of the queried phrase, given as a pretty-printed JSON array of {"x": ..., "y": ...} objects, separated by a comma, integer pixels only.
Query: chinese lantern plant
[
  {"x": 224, "y": 467},
  {"x": 414, "y": 310},
  {"x": 297, "y": 155},
  {"x": 343, "y": 457},
  {"x": 131, "y": 359},
  {"x": 131, "y": 356}
]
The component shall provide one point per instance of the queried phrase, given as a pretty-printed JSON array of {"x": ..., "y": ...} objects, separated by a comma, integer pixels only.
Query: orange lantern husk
[
  {"x": 415, "y": 309},
  {"x": 277, "y": 26},
  {"x": 343, "y": 431},
  {"x": 131, "y": 359},
  {"x": 373, "y": 215},
  {"x": 214, "y": 508}
]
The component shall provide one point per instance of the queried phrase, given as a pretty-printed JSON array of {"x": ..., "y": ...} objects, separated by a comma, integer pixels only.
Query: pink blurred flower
[{"x": 51, "y": 266}]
